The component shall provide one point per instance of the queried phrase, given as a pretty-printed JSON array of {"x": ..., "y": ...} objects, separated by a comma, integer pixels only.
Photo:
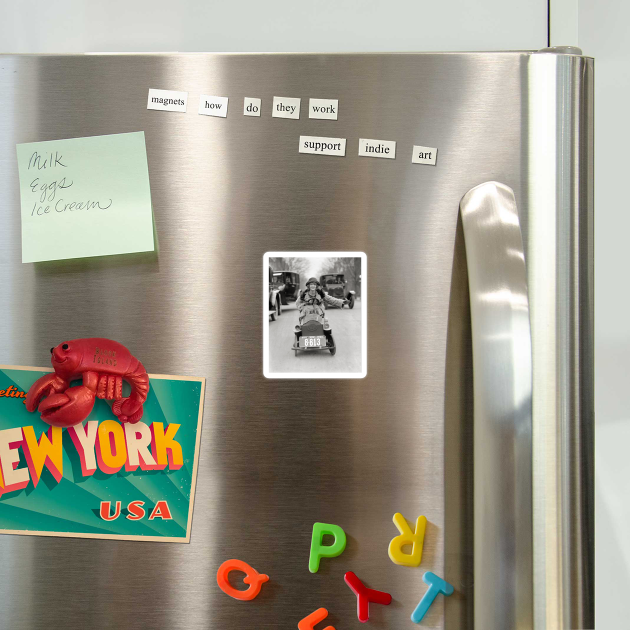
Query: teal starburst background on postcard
[{"x": 72, "y": 505}]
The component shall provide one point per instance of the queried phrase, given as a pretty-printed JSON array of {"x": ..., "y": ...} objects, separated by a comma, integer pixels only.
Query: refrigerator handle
[{"x": 502, "y": 374}]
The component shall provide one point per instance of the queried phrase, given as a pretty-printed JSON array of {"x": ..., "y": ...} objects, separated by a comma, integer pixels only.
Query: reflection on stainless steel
[
  {"x": 278, "y": 455},
  {"x": 502, "y": 364},
  {"x": 559, "y": 256}
]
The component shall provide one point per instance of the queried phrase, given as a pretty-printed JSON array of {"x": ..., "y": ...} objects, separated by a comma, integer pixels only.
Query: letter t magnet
[
  {"x": 436, "y": 586},
  {"x": 407, "y": 537}
]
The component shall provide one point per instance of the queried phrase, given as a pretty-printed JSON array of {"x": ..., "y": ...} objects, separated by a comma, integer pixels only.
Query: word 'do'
[{"x": 251, "y": 106}]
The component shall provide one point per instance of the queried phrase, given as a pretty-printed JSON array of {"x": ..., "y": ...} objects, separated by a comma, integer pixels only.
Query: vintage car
[
  {"x": 275, "y": 301},
  {"x": 291, "y": 282},
  {"x": 335, "y": 285},
  {"x": 310, "y": 335}
]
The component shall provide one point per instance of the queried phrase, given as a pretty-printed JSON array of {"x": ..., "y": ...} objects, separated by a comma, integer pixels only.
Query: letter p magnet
[{"x": 319, "y": 551}]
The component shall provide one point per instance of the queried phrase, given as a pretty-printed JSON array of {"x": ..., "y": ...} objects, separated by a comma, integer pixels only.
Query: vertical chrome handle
[{"x": 502, "y": 373}]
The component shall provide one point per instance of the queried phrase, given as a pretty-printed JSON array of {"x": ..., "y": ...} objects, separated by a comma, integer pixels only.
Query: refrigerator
[{"x": 473, "y": 404}]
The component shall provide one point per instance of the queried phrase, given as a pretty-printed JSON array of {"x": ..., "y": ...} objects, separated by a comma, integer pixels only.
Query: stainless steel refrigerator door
[{"x": 276, "y": 455}]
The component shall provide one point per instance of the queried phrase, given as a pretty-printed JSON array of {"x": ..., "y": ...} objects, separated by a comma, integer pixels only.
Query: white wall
[
  {"x": 270, "y": 25},
  {"x": 603, "y": 27}
]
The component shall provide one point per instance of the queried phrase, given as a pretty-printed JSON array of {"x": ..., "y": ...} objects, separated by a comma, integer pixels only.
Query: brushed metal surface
[
  {"x": 502, "y": 368},
  {"x": 275, "y": 455},
  {"x": 560, "y": 277}
]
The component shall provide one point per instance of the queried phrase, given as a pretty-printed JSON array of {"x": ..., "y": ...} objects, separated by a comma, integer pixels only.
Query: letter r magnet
[
  {"x": 407, "y": 537},
  {"x": 319, "y": 551}
]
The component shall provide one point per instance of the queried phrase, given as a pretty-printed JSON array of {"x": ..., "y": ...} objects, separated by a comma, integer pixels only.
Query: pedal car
[{"x": 311, "y": 334}]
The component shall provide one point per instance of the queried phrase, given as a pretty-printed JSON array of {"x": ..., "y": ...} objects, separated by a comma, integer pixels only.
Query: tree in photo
[{"x": 297, "y": 265}]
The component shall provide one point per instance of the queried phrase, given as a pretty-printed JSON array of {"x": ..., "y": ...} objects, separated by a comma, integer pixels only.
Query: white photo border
[{"x": 265, "y": 309}]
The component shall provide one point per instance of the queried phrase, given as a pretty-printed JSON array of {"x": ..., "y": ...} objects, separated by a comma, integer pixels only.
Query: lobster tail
[
  {"x": 130, "y": 409},
  {"x": 139, "y": 381}
]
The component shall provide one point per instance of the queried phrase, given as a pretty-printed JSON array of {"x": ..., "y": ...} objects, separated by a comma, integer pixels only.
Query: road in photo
[{"x": 346, "y": 330}]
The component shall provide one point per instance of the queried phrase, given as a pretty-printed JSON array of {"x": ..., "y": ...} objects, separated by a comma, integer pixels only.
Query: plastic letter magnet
[
  {"x": 252, "y": 577},
  {"x": 365, "y": 596},
  {"x": 436, "y": 586},
  {"x": 319, "y": 551},
  {"x": 407, "y": 537},
  {"x": 308, "y": 623}
]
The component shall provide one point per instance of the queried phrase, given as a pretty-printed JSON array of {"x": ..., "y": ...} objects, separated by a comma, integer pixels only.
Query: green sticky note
[{"x": 85, "y": 197}]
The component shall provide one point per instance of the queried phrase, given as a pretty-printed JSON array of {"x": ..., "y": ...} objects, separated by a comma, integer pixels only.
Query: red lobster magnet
[{"x": 103, "y": 364}]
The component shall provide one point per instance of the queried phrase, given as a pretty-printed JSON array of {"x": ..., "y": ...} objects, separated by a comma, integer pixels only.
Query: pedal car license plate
[{"x": 313, "y": 342}]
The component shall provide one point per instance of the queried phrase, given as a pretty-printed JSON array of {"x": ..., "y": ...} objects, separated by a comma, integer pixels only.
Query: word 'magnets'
[{"x": 167, "y": 100}]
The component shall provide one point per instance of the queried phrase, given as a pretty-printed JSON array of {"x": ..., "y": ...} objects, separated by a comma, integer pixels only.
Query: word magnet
[
  {"x": 251, "y": 106},
  {"x": 252, "y": 577},
  {"x": 407, "y": 537},
  {"x": 167, "y": 100},
  {"x": 213, "y": 105},
  {"x": 377, "y": 148},
  {"x": 319, "y": 551},
  {"x": 365, "y": 595},
  {"x": 436, "y": 586},
  {"x": 285, "y": 107},
  {"x": 323, "y": 108},
  {"x": 424, "y": 155},
  {"x": 322, "y": 146}
]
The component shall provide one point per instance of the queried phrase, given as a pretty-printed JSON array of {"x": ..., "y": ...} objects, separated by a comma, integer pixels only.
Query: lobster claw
[
  {"x": 43, "y": 386},
  {"x": 68, "y": 408}
]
